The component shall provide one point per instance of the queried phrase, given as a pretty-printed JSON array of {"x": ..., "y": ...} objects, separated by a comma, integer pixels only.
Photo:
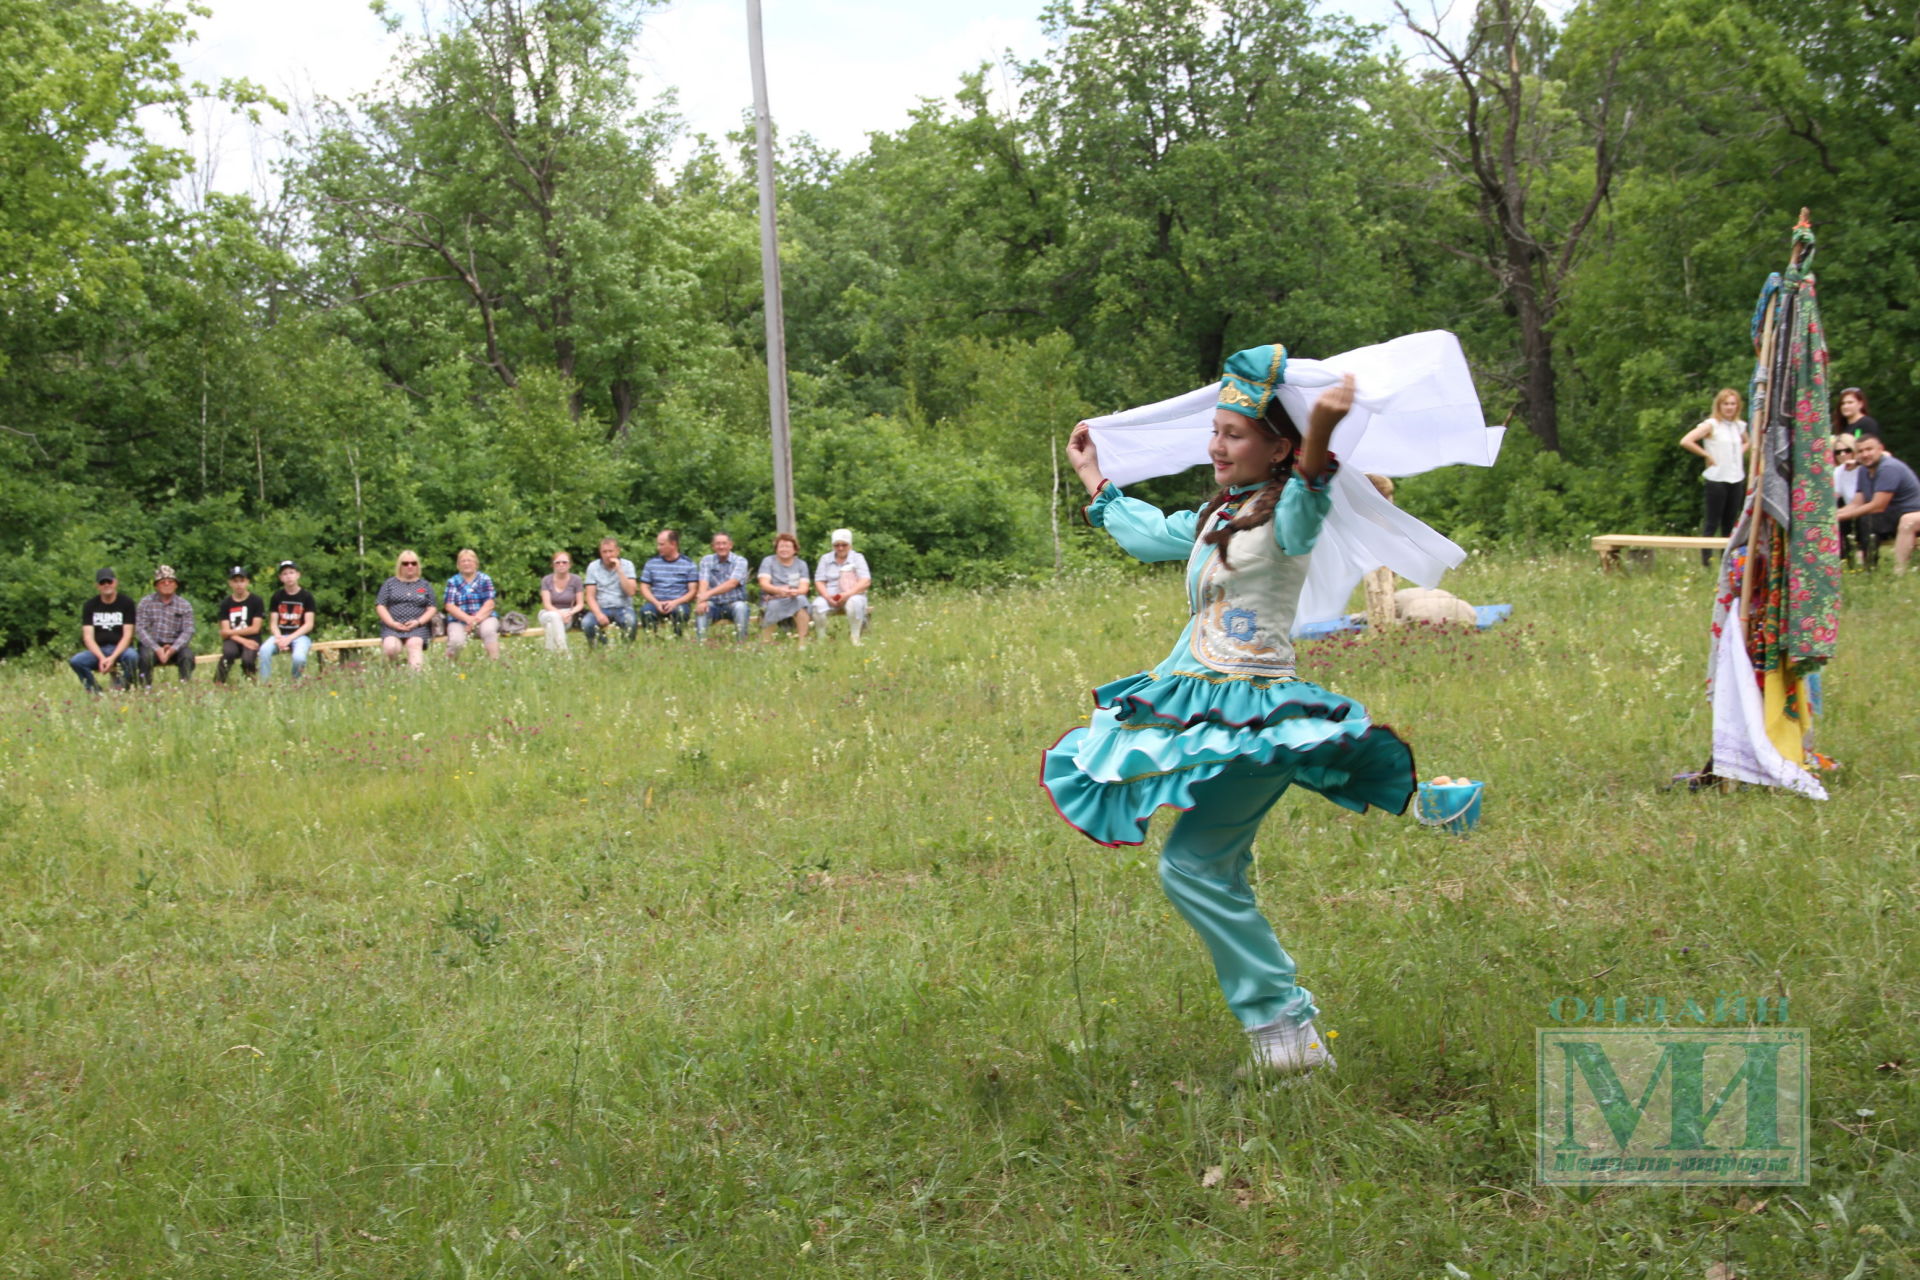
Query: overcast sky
[{"x": 837, "y": 69}]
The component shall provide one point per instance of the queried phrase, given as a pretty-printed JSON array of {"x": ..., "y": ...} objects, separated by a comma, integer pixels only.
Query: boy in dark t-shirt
[
  {"x": 242, "y": 615},
  {"x": 290, "y": 619},
  {"x": 106, "y": 634}
]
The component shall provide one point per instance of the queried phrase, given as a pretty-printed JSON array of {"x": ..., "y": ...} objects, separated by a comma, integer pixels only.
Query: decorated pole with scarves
[{"x": 1775, "y": 611}]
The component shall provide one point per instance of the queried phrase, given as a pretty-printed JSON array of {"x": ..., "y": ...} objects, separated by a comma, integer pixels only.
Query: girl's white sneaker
[{"x": 1286, "y": 1047}]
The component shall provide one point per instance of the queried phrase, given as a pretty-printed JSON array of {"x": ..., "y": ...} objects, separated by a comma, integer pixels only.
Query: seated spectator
[
  {"x": 1887, "y": 504},
  {"x": 406, "y": 606},
  {"x": 722, "y": 589},
  {"x": 107, "y": 628},
  {"x": 469, "y": 601},
  {"x": 164, "y": 620},
  {"x": 1846, "y": 486},
  {"x": 842, "y": 580},
  {"x": 668, "y": 584},
  {"x": 242, "y": 617},
  {"x": 783, "y": 588},
  {"x": 291, "y": 614},
  {"x": 563, "y": 599},
  {"x": 610, "y": 590}
]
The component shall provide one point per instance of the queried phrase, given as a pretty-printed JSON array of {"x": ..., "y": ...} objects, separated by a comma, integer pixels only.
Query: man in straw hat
[{"x": 164, "y": 619}]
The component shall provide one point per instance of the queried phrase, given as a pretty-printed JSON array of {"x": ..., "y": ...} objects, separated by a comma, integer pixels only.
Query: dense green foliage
[
  {"x": 691, "y": 962},
  {"x": 481, "y": 309}
]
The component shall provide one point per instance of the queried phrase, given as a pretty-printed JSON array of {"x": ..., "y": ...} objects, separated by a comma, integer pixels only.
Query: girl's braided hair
[{"x": 1273, "y": 421}]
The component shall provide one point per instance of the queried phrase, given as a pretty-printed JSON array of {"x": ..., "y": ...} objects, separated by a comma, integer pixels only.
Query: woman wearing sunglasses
[
  {"x": 1846, "y": 486},
  {"x": 406, "y": 605}
]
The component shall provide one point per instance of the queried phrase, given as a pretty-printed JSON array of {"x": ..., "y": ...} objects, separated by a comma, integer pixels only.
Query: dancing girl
[{"x": 1222, "y": 727}]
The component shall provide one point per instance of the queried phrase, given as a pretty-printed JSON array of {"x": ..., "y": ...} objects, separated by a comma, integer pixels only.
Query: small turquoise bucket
[{"x": 1450, "y": 806}]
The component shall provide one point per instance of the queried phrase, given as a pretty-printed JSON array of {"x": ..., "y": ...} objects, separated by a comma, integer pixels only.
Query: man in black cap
[
  {"x": 242, "y": 614},
  {"x": 106, "y": 629}
]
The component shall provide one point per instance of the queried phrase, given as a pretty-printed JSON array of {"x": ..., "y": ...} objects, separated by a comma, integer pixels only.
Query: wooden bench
[
  {"x": 373, "y": 642},
  {"x": 1609, "y": 545},
  {"x": 322, "y": 648}
]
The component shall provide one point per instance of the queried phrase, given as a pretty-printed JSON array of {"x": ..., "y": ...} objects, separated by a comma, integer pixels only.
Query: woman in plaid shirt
[{"x": 469, "y": 602}]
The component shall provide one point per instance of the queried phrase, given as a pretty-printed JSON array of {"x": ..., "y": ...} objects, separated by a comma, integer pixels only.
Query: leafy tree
[
  {"x": 499, "y": 195},
  {"x": 74, "y": 74},
  {"x": 1530, "y": 124}
]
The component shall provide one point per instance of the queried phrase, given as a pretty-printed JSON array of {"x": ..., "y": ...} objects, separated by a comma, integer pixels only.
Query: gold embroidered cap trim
[{"x": 1230, "y": 393}]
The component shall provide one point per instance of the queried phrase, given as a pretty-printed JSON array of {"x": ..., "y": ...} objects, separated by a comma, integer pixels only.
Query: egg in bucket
[{"x": 1452, "y": 804}]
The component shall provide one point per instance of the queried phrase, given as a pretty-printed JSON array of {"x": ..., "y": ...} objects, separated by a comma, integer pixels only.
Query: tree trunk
[
  {"x": 623, "y": 402},
  {"x": 203, "y": 418},
  {"x": 1535, "y": 316},
  {"x": 260, "y": 465},
  {"x": 359, "y": 515},
  {"x": 1053, "y": 501},
  {"x": 1213, "y": 349}
]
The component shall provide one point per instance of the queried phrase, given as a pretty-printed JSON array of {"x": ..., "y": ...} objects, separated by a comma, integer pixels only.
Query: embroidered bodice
[{"x": 1242, "y": 607}]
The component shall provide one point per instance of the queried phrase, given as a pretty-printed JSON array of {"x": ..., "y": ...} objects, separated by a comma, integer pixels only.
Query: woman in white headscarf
[{"x": 841, "y": 581}]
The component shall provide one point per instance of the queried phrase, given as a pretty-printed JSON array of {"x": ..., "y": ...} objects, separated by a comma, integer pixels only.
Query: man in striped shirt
[{"x": 668, "y": 584}]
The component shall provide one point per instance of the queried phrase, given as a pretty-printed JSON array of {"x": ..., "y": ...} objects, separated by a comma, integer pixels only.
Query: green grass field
[{"x": 696, "y": 962}]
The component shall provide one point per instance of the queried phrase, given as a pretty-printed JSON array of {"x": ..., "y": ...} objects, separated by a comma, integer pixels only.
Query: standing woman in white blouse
[{"x": 1723, "y": 441}]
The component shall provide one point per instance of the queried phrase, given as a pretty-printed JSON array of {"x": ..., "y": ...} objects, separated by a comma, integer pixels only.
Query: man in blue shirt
[
  {"x": 610, "y": 588},
  {"x": 1887, "y": 504},
  {"x": 668, "y": 584},
  {"x": 723, "y": 588}
]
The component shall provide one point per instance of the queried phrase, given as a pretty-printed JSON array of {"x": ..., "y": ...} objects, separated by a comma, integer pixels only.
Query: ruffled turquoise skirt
[{"x": 1155, "y": 736}]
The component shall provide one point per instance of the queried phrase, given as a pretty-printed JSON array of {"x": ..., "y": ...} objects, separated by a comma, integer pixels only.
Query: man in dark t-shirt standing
[
  {"x": 242, "y": 615},
  {"x": 290, "y": 619},
  {"x": 106, "y": 631},
  {"x": 1887, "y": 504}
]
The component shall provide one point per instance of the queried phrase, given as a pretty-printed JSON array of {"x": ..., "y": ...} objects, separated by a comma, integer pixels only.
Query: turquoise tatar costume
[{"x": 1222, "y": 726}]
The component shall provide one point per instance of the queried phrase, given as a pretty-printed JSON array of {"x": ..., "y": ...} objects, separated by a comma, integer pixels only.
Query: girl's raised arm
[{"x": 1142, "y": 529}]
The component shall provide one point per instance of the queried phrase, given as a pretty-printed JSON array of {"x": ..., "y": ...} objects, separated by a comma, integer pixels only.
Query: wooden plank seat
[
  {"x": 1609, "y": 545},
  {"x": 342, "y": 646},
  {"x": 338, "y": 649},
  {"x": 321, "y": 649}
]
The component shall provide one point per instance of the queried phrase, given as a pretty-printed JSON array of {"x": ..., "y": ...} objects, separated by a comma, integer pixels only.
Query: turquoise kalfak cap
[{"x": 1250, "y": 377}]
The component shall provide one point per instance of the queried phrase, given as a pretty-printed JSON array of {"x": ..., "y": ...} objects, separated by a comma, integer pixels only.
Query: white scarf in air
[{"x": 1414, "y": 409}]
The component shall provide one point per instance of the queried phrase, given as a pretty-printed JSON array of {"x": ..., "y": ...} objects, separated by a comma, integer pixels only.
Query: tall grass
[{"x": 712, "y": 962}]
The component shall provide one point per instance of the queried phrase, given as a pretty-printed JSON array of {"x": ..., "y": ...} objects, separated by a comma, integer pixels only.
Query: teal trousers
[{"x": 1203, "y": 868}]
